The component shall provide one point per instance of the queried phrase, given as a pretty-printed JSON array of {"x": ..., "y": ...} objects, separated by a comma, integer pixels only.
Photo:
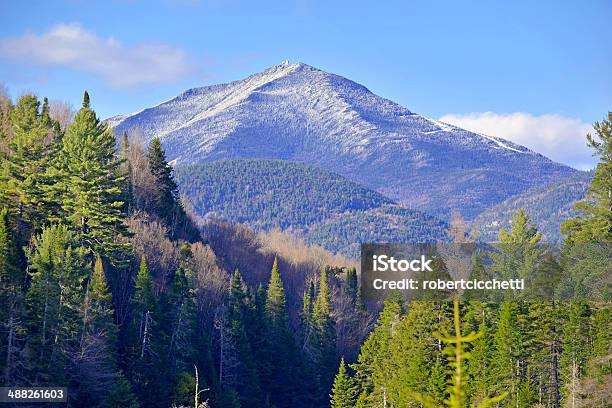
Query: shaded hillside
[
  {"x": 325, "y": 208},
  {"x": 548, "y": 207}
]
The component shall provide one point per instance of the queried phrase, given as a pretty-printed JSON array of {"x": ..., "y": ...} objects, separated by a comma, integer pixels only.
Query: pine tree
[
  {"x": 126, "y": 173},
  {"x": 520, "y": 249},
  {"x": 90, "y": 184},
  {"x": 343, "y": 390}
]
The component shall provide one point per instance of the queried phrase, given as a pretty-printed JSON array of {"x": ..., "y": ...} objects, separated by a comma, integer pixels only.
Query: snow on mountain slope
[{"x": 297, "y": 112}]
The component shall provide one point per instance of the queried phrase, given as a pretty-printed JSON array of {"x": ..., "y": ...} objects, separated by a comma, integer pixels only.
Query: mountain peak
[{"x": 300, "y": 113}]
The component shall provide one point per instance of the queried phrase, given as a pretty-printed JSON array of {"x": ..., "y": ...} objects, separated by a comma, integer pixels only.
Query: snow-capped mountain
[{"x": 298, "y": 112}]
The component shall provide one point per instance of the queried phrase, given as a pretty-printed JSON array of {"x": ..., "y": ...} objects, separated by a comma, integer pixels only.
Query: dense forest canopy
[{"x": 110, "y": 287}]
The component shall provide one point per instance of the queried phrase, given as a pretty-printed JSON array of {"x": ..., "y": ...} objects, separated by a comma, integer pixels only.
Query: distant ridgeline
[
  {"x": 548, "y": 206},
  {"x": 323, "y": 207}
]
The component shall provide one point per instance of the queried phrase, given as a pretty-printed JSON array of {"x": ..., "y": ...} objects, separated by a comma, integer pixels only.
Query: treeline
[
  {"x": 513, "y": 353},
  {"x": 108, "y": 288}
]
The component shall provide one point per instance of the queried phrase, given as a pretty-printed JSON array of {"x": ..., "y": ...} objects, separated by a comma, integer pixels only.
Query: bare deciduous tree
[{"x": 61, "y": 111}]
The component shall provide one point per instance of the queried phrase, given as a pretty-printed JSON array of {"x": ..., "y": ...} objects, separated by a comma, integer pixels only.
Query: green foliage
[
  {"x": 276, "y": 312},
  {"x": 455, "y": 351},
  {"x": 121, "y": 395},
  {"x": 167, "y": 203},
  {"x": 343, "y": 390},
  {"x": 272, "y": 193}
]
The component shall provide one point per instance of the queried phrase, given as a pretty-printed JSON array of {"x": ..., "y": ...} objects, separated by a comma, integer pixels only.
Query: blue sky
[{"x": 534, "y": 72}]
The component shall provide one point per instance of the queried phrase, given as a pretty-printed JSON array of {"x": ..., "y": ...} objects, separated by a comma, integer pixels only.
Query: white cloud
[
  {"x": 558, "y": 137},
  {"x": 72, "y": 46}
]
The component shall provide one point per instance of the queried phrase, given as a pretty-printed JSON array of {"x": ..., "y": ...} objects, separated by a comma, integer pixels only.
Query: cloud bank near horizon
[
  {"x": 558, "y": 137},
  {"x": 74, "y": 47}
]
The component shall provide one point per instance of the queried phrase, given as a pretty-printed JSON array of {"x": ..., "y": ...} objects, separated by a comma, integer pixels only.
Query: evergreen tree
[
  {"x": 121, "y": 395},
  {"x": 276, "y": 311},
  {"x": 507, "y": 355},
  {"x": 247, "y": 380},
  {"x": 576, "y": 334},
  {"x": 343, "y": 390},
  {"x": 146, "y": 368},
  {"x": 324, "y": 333},
  {"x": 370, "y": 368},
  {"x": 126, "y": 173},
  {"x": 90, "y": 185},
  {"x": 168, "y": 205},
  {"x": 455, "y": 350}
]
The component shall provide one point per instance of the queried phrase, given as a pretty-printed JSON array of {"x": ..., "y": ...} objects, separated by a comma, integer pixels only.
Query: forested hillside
[
  {"x": 272, "y": 193},
  {"x": 324, "y": 208}
]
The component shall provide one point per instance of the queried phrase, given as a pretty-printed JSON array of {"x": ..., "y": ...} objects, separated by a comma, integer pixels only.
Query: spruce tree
[
  {"x": 370, "y": 368},
  {"x": 99, "y": 304},
  {"x": 324, "y": 332},
  {"x": 247, "y": 380},
  {"x": 343, "y": 390},
  {"x": 276, "y": 311},
  {"x": 279, "y": 359},
  {"x": 168, "y": 205},
  {"x": 507, "y": 355}
]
